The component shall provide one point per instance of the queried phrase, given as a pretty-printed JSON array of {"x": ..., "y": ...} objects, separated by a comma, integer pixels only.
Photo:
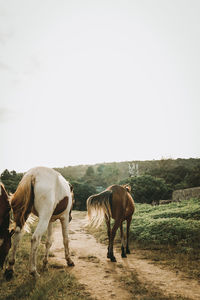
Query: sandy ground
[{"x": 102, "y": 277}]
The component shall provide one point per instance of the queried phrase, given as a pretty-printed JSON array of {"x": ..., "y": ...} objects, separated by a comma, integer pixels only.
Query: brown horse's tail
[
  {"x": 22, "y": 200},
  {"x": 98, "y": 206}
]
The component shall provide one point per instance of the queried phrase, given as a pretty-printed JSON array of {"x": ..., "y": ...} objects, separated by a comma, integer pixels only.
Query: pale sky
[{"x": 83, "y": 82}]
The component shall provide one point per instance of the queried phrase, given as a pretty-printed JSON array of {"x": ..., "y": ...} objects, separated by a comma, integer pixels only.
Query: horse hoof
[
  {"x": 45, "y": 268},
  {"x": 70, "y": 263},
  {"x": 35, "y": 274},
  {"x": 124, "y": 255},
  {"x": 108, "y": 255},
  {"x": 128, "y": 252},
  {"x": 113, "y": 259},
  {"x": 8, "y": 274}
]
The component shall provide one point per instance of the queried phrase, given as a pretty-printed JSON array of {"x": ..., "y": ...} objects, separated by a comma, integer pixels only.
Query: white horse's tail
[{"x": 98, "y": 206}]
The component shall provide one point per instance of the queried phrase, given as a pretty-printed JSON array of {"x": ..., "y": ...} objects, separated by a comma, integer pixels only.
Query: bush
[
  {"x": 147, "y": 189},
  {"x": 173, "y": 224},
  {"x": 10, "y": 180},
  {"x": 82, "y": 190}
]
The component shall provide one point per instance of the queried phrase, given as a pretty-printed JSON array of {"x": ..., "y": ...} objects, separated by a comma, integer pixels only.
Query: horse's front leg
[
  {"x": 65, "y": 223},
  {"x": 49, "y": 242},
  {"x": 15, "y": 241}
]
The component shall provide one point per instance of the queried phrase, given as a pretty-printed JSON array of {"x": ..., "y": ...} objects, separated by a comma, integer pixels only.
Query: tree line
[{"x": 156, "y": 180}]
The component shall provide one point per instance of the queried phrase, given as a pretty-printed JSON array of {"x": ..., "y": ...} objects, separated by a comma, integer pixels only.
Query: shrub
[
  {"x": 173, "y": 224},
  {"x": 147, "y": 189}
]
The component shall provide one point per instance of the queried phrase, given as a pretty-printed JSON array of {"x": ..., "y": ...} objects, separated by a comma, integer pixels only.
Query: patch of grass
[
  {"x": 90, "y": 258},
  {"x": 171, "y": 257},
  {"x": 186, "y": 209},
  {"x": 100, "y": 233},
  {"x": 166, "y": 231},
  {"x": 175, "y": 224},
  {"x": 120, "y": 266},
  {"x": 56, "y": 283},
  {"x": 144, "y": 291}
]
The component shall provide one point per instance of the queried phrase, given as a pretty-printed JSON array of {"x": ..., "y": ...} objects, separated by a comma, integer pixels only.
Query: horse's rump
[
  {"x": 115, "y": 202},
  {"x": 99, "y": 205}
]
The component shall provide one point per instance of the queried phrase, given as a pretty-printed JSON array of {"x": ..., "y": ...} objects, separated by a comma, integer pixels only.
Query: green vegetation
[
  {"x": 147, "y": 189},
  {"x": 175, "y": 224},
  {"x": 82, "y": 190},
  {"x": 11, "y": 180},
  {"x": 184, "y": 174},
  {"x": 156, "y": 181},
  {"x": 56, "y": 283}
]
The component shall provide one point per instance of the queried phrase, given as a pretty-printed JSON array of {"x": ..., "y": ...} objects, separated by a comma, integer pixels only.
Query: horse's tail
[
  {"x": 22, "y": 200},
  {"x": 98, "y": 206}
]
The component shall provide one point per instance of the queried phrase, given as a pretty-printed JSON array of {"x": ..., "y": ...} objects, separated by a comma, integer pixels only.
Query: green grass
[
  {"x": 186, "y": 209},
  {"x": 175, "y": 224},
  {"x": 56, "y": 283}
]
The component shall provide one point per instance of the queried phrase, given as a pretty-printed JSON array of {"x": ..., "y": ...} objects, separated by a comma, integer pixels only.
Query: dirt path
[{"x": 102, "y": 278}]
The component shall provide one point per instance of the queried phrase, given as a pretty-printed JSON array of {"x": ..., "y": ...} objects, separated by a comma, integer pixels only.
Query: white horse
[{"x": 45, "y": 193}]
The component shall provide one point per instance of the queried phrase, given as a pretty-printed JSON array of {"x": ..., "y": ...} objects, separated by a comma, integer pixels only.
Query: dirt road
[{"x": 102, "y": 278}]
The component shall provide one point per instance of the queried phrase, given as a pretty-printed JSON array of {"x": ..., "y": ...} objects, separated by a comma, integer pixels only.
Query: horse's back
[{"x": 122, "y": 202}]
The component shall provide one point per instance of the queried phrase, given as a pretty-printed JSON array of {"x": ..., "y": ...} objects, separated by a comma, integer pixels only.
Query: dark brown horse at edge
[{"x": 115, "y": 202}]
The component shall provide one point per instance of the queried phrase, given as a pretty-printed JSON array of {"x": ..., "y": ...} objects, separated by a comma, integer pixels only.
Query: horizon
[{"x": 99, "y": 163}]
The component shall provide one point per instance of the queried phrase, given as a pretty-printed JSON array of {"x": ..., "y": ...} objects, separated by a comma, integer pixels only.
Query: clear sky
[{"x": 98, "y": 81}]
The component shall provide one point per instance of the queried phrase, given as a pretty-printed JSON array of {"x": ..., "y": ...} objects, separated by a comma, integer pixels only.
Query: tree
[
  {"x": 173, "y": 176},
  {"x": 147, "y": 189},
  {"x": 89, "y": 172},
  {"x": 82, "y": 190},
  {"x": 193, "y": 178},
  {"x": 11, "y": 180}
]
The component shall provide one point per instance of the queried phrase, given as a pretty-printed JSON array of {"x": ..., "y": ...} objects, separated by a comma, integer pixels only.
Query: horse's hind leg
[
  {"x": 127, "y": 235},
  {"x": 64, "y": 223},
  {"x": 40, "y": 230},
  {"x": 109, "y": 233},
  {"x": 15, "y": 241},
  {"x": 123, "y": 254},
  {"x": 112, "y": 237},
  {"x": 48, "y": 244}
]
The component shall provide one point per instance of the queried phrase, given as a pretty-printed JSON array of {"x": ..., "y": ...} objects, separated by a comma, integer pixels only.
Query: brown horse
[
  {"x": 115, "y": 202},
  {"x": 5, "y": 235}
]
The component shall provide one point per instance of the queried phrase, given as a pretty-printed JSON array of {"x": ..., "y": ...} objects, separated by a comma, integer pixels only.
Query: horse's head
[
  {"x": 5, "y": 235},
  {"x": 73, "y": 201}
]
